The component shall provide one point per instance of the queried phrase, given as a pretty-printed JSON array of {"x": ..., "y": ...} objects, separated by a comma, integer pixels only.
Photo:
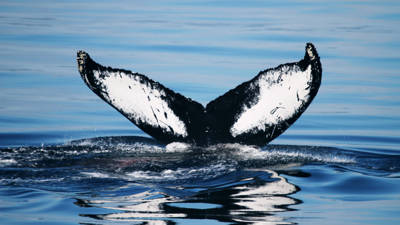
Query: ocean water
[{"x": 66, "y": 157}]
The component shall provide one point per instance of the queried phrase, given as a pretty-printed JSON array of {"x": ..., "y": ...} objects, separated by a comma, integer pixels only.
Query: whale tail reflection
[
  {"x": 255, "y": 200},
  {"x": 255, "y": 112}
]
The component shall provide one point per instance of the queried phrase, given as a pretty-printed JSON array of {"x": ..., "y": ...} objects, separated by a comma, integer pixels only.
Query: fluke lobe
[{"x": 253, "y": 113}]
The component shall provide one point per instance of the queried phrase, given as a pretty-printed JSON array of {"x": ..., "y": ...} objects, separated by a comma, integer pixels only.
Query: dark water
[
  {"x": 127, "y": 180},
  {"x": 338, "y": 164}
]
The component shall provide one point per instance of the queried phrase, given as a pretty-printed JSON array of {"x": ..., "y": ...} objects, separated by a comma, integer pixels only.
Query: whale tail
[
  {"x": 255, "y": 112},
  {"x": 259, "y": 110},
  {"x": 160, "y": 112}
]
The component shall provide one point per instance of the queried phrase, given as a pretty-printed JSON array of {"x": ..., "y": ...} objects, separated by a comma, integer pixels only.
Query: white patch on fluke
[
  {"x": 282, "y": 93},
  {"x": 139, "y": 101}
]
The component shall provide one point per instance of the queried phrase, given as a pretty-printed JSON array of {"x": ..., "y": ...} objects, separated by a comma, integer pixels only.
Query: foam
[
  {"x": 291, "y": 153},
  {"x": 310, "y": 156},
  {"x": 236, "y": 151},
  {"x": 95, "y": 174},
  {"x": 178, "y": 147},
  {"x": 7, "y": 162},
  {"x": 104, "y": 146},
  {"x": 205, "y": 172}
]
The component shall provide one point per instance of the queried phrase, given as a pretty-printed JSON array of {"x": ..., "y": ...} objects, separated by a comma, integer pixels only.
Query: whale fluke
[
  {"x": 255, "y": 112},
  {"x": 259, "y": 110},
  {"x": 160, "y": 112}
]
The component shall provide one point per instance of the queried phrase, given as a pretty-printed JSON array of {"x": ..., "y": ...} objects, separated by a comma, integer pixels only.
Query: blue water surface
[{"x": 66, "y": 157}]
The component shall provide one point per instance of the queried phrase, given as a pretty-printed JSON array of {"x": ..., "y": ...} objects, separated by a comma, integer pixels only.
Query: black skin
[
  {"x": 210, "y": 124},
  {"x": 221, "y": 112}
]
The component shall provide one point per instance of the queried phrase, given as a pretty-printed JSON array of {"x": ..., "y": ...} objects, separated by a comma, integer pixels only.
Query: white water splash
[
  {"x": 292, "y": 153},
  {"x": 7, "y": 162},
  {"x": 96, "y": 174},
  {"x": 107, "y": 146},
  {"x": 178, "y": 147},
  {"x": 206, "y": 172}
]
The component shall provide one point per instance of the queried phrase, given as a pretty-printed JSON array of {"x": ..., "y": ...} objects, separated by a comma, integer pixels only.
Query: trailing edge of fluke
[{"x": 253, "y": 113}]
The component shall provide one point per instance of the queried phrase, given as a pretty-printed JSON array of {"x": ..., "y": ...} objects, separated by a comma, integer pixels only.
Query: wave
[
  {"x": 135, "y": 179},
  {"x": 143, "y": 160}
]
